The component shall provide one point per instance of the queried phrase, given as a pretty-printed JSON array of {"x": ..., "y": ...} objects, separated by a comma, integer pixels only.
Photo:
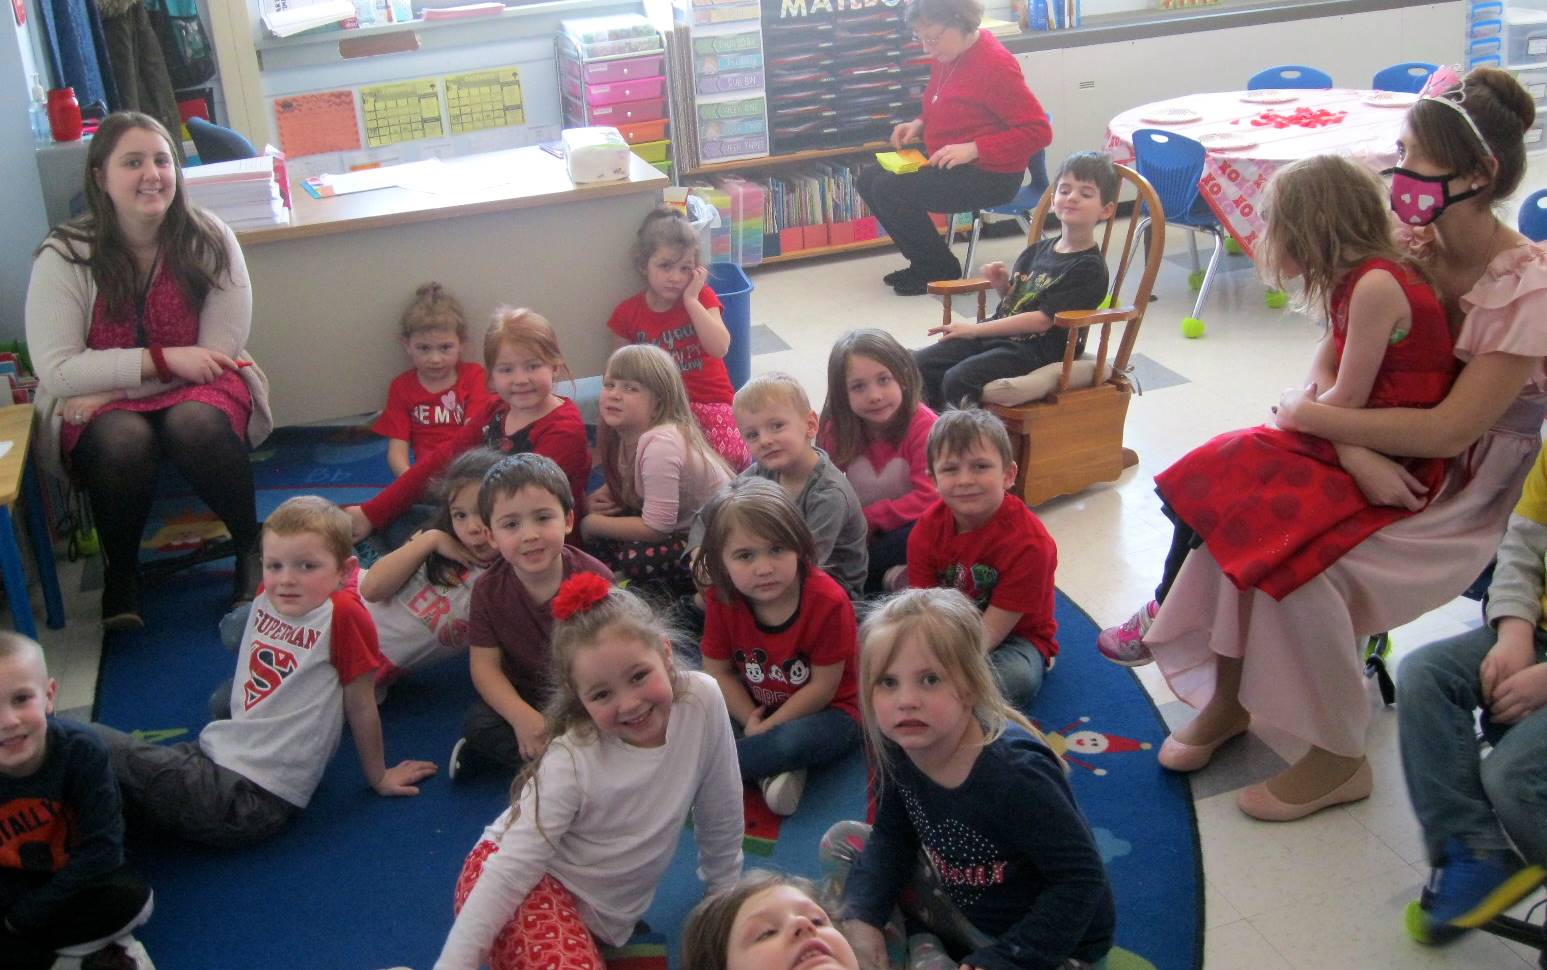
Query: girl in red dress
[{"x": 1276, "y": 507}]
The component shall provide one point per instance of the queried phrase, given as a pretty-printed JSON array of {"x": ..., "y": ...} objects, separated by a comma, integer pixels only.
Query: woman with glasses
[
  {"x": 980, "y": 125},
  {"x": 1242, "y": 657}
]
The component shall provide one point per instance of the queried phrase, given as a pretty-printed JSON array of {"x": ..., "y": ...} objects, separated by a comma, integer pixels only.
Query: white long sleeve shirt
[{"x": 611, "y": 815}]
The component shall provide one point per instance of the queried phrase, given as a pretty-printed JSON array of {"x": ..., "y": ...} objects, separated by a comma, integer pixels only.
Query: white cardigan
[{"x": 60, "y": 298}]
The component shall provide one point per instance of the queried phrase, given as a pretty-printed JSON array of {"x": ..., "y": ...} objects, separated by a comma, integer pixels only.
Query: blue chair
[
  {"x": 1173, "y": 164},
  {"x": 1533, "y": 216},
  {"x": 1408, "y": 78},
  {"x": 217, "y": 144},
  {"x": 1289, "y": 76},
  {"x": 1021, "y": 207}
]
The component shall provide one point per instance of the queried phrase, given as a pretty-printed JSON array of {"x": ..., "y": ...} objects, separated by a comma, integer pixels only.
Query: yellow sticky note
[{"x": 903, "y": 162}]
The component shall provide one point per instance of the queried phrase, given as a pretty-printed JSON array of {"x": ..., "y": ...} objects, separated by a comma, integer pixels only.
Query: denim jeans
[
  {"x": 1018, "y": 669},
  {"x": 887, "y": 549},
  {"x": 1456, "y": 792},
  {"x": 955, "y": 371},
  {"x": 805, "y": 742}
]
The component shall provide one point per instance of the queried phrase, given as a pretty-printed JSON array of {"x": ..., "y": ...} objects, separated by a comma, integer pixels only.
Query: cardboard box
[{"x": 791, "y": 240}]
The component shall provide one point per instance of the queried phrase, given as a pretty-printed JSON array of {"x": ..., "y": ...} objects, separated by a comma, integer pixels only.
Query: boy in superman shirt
[
  {"x": 63, "y": 881},
  {"x": 984, "y": 541},
  {"x": 304, "y": 667}
]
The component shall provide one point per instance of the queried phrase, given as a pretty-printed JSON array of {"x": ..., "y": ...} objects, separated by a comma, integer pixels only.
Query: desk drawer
[
  {"x": 627, "y": 112},
  {"x": 602, "y": 94},
  {"x": 609, "y": 72},
  {"x": 651, "y": 151}
]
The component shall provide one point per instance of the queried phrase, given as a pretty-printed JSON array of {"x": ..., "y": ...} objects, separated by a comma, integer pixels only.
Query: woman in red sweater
[{"x": 980, "y": 125}]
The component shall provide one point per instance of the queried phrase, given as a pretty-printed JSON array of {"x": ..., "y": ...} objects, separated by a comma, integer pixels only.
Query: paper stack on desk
[
  {"x": 285, "y": 18},
  {"x": 243, "y": 193}
]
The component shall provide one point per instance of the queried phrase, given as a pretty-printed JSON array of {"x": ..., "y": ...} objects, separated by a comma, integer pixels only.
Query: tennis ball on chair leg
[
  {"x": 1276, "y": 299},
  {"x": 1192, "y": 328}
]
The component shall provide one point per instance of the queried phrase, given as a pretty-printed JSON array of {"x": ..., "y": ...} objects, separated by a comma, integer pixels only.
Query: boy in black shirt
[
  {"x": 63, "y": 883},
  {"x": 1052, "y": 275}
]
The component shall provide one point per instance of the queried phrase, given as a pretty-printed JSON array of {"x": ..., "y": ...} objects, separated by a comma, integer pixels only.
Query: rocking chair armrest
[
  {"x": 1075, "y": 319},
  {"x": 956, "y": 287}
]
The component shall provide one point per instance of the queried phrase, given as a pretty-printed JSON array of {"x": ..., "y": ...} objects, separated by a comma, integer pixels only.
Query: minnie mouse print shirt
[{"x": 774, "y": 662}]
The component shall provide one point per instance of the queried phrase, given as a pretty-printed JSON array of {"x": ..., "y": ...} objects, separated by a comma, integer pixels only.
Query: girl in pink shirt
[
  {"x": 659, "y": 469},
  {"x": 875, "y": 427}
]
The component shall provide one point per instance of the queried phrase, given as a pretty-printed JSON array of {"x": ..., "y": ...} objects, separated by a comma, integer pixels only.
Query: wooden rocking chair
[{"x": 1068, "y": 435}]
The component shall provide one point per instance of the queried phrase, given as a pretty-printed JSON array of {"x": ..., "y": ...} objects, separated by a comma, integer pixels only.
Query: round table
[{"x": 1236, "y": 171}]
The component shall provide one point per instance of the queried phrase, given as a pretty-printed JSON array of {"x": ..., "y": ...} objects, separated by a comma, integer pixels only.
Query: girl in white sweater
[{"x": 637, "y": 745}]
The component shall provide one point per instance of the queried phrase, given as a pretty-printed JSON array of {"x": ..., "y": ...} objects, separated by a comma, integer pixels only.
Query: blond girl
[
  {"x": 1019, "y": 889},
  {"x": 523, "y": 414},
  {"x": 595, "y": 819},
  {"x": 659, "y": 470}
]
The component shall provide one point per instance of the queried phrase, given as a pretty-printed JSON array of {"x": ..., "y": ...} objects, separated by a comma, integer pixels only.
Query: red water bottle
[{"x": 64, "y": 114}]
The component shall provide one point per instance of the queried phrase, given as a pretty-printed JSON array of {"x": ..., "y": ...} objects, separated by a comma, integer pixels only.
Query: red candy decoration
[
  {"x": 1303, "y": 117},
  {"x": 579, "y": 593}
]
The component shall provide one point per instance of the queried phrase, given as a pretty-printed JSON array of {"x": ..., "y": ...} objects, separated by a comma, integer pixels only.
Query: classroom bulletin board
[{"x": 381, "y": 115}]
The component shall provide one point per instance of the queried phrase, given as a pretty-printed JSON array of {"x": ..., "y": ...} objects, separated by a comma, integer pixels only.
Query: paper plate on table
[
  {"x": 1389, "y": 99},
  {"x": 1269, "y": 97},
  {"x": 1170, "y": 116},
  {"x": 1227, "y": 141}
]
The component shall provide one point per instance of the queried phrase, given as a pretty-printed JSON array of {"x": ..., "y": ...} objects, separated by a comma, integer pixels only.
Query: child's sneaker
[
  {"x": 1125, "y": 644},
  {"x": 1469, "y": 890},
  {"x": 125, "y": 953},
  {"x": 782, "y": 792},
  {"x": 454, "y": 763},
  {"x": 926, "y": 952}
]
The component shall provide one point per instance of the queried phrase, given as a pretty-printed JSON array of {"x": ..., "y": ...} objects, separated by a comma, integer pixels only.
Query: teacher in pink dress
[
  {"x": 137, "y": 321},
  {"x": 980, "y": 126}
]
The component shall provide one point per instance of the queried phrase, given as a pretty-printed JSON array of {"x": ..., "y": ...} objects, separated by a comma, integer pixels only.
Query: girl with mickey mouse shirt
[{"x": 779, "y": 638}]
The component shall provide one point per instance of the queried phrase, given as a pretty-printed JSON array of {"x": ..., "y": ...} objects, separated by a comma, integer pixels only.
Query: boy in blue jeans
[{"x": 1477, "y": 812}]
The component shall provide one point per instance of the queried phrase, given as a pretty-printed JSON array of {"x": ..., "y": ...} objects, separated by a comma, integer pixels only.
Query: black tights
[
  {"x": 120, "y": 454},
  {"x": 1183, "y": 541}
]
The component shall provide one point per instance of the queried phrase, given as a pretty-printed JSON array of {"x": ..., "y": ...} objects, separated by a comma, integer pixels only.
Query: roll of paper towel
[{"x": 595, "y": 154}]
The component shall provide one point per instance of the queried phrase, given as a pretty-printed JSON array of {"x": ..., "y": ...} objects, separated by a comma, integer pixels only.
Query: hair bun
[
  {"x": 1507, "y": 91},
  {"x": 428, "y": 291},
  {"x": 578, "y": 594}
]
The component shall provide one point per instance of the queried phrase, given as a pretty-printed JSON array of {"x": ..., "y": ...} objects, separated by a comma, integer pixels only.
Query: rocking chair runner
[{"x": 1069, "y": 433}]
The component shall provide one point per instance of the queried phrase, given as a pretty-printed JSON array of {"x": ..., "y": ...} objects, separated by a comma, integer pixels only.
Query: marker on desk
[{"x": 243, "y": 363}]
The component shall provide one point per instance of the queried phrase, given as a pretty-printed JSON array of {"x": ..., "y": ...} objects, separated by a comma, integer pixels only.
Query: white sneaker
[
  {"x": 454, "y": 765},
  {"x": 782, "y": 792}
]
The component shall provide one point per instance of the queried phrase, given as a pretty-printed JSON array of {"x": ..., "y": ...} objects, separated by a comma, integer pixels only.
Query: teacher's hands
[
  {"x": 1381, "y": 480},
  {"x": 197, "y": 365},
  {"x": 908, "y": 133},
  {"x": 950, "y": 156},
  {"x": 78, "y": 410}
]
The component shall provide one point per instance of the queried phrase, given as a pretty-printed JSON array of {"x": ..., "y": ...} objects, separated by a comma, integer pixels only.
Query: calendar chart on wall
[
  {"x": 404, "y": 111},
  {"x": 479, "y": 100}
]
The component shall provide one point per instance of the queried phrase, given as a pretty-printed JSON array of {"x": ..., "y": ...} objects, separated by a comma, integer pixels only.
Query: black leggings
[
  {"x": 1183, "y": 541},
  {"x": 121, "y": 452}
]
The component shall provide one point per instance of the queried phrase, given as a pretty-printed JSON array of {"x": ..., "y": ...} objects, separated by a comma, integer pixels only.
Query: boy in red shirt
[
  {"x": 427, "y": 403},
  {"x": 982, "y": 540}
]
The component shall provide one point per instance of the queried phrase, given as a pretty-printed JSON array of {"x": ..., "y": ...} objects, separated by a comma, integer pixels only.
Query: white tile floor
[{"x": 1325, "y": 892}]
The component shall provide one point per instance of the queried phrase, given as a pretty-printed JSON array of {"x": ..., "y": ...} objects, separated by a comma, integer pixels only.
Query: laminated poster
[
  {"x": 479, "y": 100},
  {"x": 313, "y": 124},
  {"x": 399, "y": 112}
]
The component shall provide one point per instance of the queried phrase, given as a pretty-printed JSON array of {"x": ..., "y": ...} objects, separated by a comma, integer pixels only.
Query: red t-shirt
[
  {"x": 775, "y": 662},
  {"x": 707, "y": 380},
  {"x": 1008, "y": 563},
  {"x": 428, "y": 419}
]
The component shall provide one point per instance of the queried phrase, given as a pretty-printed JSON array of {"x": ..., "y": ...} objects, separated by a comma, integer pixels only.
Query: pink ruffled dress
[{"x": 1302, "y": 671}]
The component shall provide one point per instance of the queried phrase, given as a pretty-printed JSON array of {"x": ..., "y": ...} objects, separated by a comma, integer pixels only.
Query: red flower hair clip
[{"x": 579, "y": 593}]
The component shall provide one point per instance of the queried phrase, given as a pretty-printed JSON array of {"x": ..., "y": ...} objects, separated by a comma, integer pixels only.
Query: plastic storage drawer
[
  {"x": 627, "y": 112},
  {"x": 651, "y": 151},
  {"x": 597, "y": 95},
  {"x": 644, "y": 131},
  {"x": 611, "y": 72}
]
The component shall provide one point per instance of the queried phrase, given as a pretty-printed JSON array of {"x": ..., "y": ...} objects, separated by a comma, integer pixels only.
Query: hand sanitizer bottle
[{"x": 41, "y": 132}]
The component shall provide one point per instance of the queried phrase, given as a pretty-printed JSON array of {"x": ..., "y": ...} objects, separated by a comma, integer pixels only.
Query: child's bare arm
[
  {"x": 816, "y": 695},
  {"x": 629, "y": 528},
  {"x": 707, "y": 323},
  {"x": 997, "y": 624},
  {"x": 388, "y": 574},
  {"x": 1324, "y": 364},
  {"x": 365, "y": 725},
  {"x": 1016, "y": 324},
  {"x": 1377, "y": 307},
  {"x": 737, "y": 701},
  {"x": 397, "y": 456},
  {"x": 501, "y": 695}
]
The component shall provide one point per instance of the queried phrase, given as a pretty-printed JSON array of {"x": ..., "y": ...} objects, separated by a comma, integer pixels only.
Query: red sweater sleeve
[
  {"x": 894, "y": 513},
  {"x": 561, "y": 436},
  {"x": 400, "y": 496}
]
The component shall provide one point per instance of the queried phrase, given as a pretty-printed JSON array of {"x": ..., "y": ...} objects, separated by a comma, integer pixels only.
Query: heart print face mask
[{"x": 1419, "y": 199}]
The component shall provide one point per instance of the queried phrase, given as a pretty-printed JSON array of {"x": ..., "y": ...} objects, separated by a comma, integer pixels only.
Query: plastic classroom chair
[
  {"x": 1533, "y": 216},
  {"x": 1289, "y": 76},
  {"x": 1408, "y": 78},
  {"x": 1020, "y": 207},
  {"x": 215, "y": 143},
  {"x": 1173, "y": 164}
]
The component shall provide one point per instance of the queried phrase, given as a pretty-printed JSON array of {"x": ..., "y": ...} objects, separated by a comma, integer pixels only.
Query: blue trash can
[{"x": 733, "y": 288}]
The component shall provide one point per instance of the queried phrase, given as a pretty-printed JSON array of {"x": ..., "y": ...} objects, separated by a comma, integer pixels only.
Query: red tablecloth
[{"x": 1234, "y": 176}]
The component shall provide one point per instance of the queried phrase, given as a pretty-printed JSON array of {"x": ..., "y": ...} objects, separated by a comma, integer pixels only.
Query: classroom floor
[{"x": 1323, "y": 892}]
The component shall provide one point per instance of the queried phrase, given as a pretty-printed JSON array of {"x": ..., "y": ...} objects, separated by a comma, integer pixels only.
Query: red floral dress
[
  {"x": 1275, "y": 507},
  {"x": 171, "y": 320}
]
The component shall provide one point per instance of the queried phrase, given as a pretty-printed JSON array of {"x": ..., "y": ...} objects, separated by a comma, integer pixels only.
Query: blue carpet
[{"x": 359, "y": 881}]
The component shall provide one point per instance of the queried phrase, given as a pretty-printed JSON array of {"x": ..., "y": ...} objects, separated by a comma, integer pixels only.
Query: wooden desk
[
  {"x": 18, "y": 475},
  {"x": 329, "y": 288}
]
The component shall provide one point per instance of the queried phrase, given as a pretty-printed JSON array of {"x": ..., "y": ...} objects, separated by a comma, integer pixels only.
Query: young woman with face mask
[{"x": 1242, "y": 656}]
